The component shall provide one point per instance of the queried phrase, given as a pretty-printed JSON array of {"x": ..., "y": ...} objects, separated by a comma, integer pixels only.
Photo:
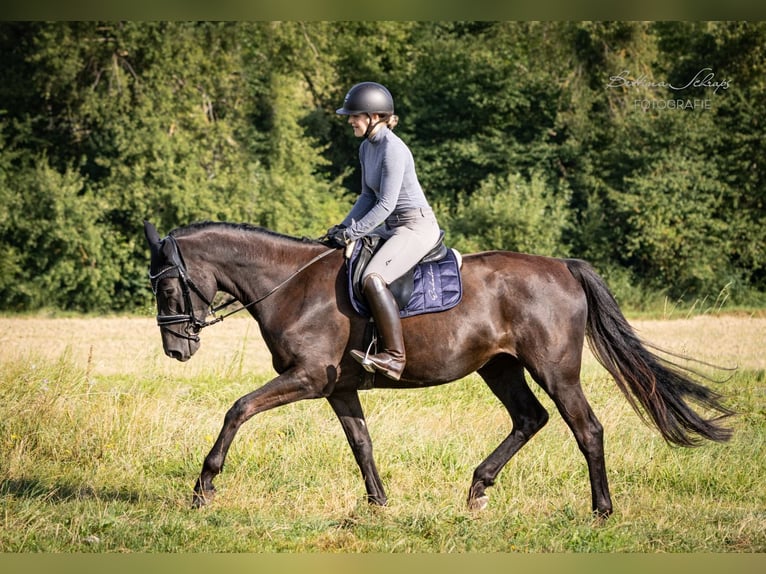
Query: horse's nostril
[{"x": 177, "y": 355}]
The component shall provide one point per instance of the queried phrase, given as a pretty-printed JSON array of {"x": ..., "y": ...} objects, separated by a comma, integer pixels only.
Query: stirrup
[
  {"x": 371, "y": 366},
  {"x": 364, "y": 358}
]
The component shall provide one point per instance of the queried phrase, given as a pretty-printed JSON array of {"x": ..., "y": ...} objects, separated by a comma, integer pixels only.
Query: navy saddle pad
[{"x": 433, "y": 285}]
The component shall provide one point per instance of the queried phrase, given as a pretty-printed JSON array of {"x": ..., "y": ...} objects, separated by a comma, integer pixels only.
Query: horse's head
[{"x": 182, "y": 305}]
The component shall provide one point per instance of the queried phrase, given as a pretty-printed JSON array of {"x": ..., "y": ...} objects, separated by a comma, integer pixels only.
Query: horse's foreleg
[
  {"x": 287, "y": 388},
  {"x": 349, "y": 410},
  {"x": 505, "y": 377}
]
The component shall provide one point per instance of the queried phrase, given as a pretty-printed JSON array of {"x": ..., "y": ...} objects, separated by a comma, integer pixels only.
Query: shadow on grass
[{"x": 34, "y": 489}]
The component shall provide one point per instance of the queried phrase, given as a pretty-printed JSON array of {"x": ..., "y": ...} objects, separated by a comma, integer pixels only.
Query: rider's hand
[{"x": 336, "y": 236}]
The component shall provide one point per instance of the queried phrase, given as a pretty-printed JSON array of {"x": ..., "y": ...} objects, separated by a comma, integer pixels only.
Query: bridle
[
  {"x": 195, "y": 323},
  {"x": 177, "y": 268}
]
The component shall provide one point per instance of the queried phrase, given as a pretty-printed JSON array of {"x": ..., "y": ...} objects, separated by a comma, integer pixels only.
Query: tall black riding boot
[{"x": 385, "y": 311}]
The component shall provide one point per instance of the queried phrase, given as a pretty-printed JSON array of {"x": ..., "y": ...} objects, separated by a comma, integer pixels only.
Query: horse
[{"x": 520, "y": 313}]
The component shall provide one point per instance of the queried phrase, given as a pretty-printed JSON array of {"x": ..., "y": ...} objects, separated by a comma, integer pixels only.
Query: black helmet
[{"x": 367, "y": 98}]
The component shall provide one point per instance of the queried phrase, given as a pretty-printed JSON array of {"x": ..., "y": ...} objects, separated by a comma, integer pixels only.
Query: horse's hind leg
[
  {"x": 564, "y": 388},
  {"x": 505, "y": 377}
]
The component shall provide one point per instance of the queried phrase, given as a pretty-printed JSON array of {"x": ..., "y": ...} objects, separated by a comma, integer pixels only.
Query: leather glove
[{"x": 335, "y": 237}]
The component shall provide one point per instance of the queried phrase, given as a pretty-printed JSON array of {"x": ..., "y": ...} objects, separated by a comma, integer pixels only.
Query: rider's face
[{"x": 360, "y": 123}]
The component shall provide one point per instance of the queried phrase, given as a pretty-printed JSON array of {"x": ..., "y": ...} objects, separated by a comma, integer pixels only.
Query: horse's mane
[{"x": 198, "y": 226}]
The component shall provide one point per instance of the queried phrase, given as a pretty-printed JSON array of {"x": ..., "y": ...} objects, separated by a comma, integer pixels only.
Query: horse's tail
[{"x": 654, "y": 386}]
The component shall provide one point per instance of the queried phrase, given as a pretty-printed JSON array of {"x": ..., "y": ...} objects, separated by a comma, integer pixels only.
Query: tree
[
  {"x": 522, "y": 140},
  {"x": 296, "y": 198},
  {"x": 511, "y": 213}
]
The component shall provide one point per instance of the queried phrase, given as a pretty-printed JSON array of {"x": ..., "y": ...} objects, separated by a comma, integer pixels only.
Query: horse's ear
[{"x": 151, "y": 234}]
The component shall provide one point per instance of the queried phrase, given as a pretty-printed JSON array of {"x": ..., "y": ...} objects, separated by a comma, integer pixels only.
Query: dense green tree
[
  {"x": 512, "y": 213},
  {"x": 56, "y": 254},
  {"x": 295, "y": 198},
  {"x": 735, "y": 54},
  {"x": 479, "y": 105},
  {"x": 10, "y": 203},
  {"x": 522, "y": 136}
]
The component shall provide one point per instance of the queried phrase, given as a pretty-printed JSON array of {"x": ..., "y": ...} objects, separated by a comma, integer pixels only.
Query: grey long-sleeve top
[{"x": 389, "y": 183}]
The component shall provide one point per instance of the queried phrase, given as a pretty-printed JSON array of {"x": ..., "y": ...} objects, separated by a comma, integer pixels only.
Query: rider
[{"x": 391, "y": 204}]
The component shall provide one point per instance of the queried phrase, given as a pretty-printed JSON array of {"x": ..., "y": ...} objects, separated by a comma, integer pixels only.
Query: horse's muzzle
[
  {"x": 179, "y": 347},
  {"x": 177, "y": 355}
]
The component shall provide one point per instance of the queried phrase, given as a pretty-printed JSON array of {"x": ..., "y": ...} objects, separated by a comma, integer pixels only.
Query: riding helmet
[{"x": 367, "y": 98}]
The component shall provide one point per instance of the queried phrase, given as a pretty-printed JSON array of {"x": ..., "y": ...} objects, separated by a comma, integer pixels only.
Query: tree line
[{"x": 638, "y": 146}]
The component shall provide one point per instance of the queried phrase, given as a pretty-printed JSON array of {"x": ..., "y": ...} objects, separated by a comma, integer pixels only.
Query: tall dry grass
[{"x": 101, "y": 439}]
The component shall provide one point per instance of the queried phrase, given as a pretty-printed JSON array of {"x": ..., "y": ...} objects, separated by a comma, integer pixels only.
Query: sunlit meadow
[{"x": 102, "y": 437}]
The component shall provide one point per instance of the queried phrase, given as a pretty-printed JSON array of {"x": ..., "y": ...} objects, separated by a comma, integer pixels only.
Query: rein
[{"x": 177, "y": 268}]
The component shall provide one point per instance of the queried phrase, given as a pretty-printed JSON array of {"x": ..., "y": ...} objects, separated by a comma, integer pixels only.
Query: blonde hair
[{"x": 392, "y": 121}]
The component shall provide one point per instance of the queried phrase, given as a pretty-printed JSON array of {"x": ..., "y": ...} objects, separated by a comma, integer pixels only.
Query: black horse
[{"x": 518, "y": 312}]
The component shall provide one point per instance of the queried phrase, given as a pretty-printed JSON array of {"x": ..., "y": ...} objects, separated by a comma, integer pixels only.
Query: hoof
[
  {"x": 377, "y": 502},
  {"x": 601, "y": 516},
  {"x": 202, "y": 498},
  {"x": 477, "y": 504}
]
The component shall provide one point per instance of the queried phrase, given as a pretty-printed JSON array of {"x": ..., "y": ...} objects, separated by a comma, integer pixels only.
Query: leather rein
[{"x": 177, "y": 268}]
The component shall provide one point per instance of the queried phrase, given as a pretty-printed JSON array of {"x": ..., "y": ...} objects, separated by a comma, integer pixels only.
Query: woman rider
[{"x": 391, "y": 204}]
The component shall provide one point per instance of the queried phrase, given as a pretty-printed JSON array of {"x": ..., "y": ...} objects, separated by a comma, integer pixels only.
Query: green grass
[{"x": 107, "y": 463}]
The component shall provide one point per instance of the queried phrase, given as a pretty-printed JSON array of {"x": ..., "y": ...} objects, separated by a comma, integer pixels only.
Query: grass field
[{"x": 102, "y": 437}]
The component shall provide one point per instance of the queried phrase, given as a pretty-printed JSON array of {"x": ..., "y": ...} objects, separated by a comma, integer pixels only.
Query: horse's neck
[{"x": 249, "y": 265}]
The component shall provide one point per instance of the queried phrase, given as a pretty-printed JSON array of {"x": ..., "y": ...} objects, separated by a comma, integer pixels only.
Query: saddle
[{"x": 433, "y": 285}]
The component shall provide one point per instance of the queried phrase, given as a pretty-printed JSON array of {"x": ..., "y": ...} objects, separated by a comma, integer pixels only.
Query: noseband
[{"x": 177, "y": 268}]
